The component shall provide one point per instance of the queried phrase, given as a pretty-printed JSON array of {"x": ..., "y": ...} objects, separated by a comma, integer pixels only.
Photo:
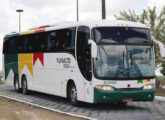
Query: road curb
[
  {"x": 160, "y": 98},
  {"x": 46, "y": 108}
]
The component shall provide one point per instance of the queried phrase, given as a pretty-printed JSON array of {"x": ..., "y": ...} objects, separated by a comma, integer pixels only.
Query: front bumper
[{"x": 101, "y": 96}]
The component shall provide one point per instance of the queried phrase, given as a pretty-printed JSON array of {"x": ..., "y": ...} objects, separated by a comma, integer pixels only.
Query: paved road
[{"x": 132, "y": 111}]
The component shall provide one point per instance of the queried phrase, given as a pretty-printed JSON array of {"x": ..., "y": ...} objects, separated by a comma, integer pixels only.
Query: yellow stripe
[
  {"x": 144, "y": 81},
  {"x": 27, "y": 32},
  {"x": 34, "y": 28},
  {"x": 26, "y": 59}
]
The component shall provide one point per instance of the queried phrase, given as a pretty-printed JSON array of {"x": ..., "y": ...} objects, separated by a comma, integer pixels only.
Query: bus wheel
[
  {"x": 16, "y": 84},
  {"x": 24, "y": 85},
  {"x": 73, "y": 95}
]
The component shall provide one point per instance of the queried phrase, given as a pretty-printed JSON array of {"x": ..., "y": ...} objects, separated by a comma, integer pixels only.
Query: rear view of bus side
[{"x": 90, "y": 61}]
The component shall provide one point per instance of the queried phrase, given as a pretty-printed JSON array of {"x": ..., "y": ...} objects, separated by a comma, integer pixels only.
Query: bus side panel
[
  {"x": 10, "y": 68},
  {"x": 50, "y": 72},
  {"x": 72, "y": 72},
  {"x": 63, "y": 67},
  {"x": 25, "y": 66}
]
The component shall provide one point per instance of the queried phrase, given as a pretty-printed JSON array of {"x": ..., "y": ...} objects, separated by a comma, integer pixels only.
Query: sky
[{"x": 42, "y": 12}]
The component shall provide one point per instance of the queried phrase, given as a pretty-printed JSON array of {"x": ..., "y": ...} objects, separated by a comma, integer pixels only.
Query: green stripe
[
  {"x": 11, "y": 63},
  {"x": 11, "y": 35}
]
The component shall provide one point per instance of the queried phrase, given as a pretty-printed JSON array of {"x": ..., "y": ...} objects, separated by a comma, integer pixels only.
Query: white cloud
[
  {"x": 115, "y": 6},
  {"x": 158, "y": 3}
]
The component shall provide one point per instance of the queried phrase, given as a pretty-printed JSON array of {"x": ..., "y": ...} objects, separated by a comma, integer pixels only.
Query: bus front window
[
  {"x": 141, "y": 61},
  {"x": 111, "y": 61},
  {"x": 119, "y": 60}
]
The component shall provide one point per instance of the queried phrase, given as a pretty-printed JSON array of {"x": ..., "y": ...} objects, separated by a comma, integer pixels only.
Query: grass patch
[
  {"x": 160, "y": 78},
  {"x": 1, "y": 82}
]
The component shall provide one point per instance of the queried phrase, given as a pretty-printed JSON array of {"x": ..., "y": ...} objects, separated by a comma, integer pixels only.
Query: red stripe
[
  {"x": 39, "y": 30},
  {"x": 39, "y": 56},
  {"x": 44, "y": 26}
]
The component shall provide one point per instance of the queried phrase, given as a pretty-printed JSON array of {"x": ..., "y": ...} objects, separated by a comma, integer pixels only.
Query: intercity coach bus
[{"x": 89, "y": 61}]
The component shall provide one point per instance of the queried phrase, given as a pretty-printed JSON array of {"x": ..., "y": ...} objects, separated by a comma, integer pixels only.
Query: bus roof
[{"x": 90, "y": 23}]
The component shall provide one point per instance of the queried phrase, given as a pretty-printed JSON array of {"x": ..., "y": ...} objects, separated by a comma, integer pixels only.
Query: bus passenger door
[{"x": 84, "y": 60}]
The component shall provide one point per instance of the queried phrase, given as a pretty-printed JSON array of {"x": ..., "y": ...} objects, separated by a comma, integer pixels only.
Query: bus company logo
[
  {"x": 112, "y": 82},
  {"x": 63, "y": 60},
  {"x": 143, "y": 81}
]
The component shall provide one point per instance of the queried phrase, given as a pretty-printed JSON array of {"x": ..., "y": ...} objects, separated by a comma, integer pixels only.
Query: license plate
[{"x": 127, "y": 100}]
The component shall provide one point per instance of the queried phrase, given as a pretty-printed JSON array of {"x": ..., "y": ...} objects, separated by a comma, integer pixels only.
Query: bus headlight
[
  {"x": 149, "y": 86},
  {"x": 104, "y": 87}
]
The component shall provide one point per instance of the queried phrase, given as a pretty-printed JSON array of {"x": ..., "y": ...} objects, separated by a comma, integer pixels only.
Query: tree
[
  {"x": 1, "y": 75},
  {"x": 151, "y": 19},
  {"x": 163, "y": 69}
]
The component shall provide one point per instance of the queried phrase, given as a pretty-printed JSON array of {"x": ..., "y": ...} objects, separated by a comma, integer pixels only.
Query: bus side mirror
[
  {"x": 93, "y": 48},
  {"x": 161, "y": 47}
]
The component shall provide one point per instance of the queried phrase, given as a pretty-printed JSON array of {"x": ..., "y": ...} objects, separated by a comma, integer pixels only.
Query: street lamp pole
[
  {"x": 103, "y": 10},
  {"x": 19, "y": 11},
  {"x": 77, "y": 12}
]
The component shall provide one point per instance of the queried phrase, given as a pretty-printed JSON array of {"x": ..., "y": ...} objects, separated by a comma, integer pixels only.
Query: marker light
[
  {"x": 149, "y": 86},
  {"x": 104, "y": 87}
]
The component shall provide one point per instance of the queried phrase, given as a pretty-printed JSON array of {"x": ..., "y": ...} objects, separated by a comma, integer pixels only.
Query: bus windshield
[{"x": 124, "y": 61}]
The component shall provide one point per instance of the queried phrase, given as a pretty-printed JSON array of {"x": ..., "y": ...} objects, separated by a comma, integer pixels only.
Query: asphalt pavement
[{"x": 132, "y": 111}]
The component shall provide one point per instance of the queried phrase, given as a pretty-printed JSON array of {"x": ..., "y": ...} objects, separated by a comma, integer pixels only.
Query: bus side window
[
  {"x": 20, "y": 43},
  {"x": 10, "y": 45},
  {"x": 60, "y": 40},
  {"x": 51, "y": 45},
  {"x": 25, "y": 44},
  {"x": 69, "y": 38},
  {"x": 6, "y": 46},
  {"x": 29, "y": 42},
  {"x": 41, "y": 42}
]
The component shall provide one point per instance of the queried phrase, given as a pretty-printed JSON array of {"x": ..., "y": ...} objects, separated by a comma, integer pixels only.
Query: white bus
[{"x": 90, "y": 61}]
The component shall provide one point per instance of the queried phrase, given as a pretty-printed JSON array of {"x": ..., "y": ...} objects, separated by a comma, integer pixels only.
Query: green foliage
[
  {"x": 158, "y": 59},
  {"x": 163, "y": 68},
  {"x": 160, "y": 78},
  {"x": 151, "y": 19},
  {"x": 1, "y": 82},
  {"x": 1, "y": 77}
]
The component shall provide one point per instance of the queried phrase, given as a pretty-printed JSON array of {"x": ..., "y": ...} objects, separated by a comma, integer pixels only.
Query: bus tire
[
  {"x": 24, "y": 85},
  {"x": 72, "y": 95},
  {"x": 16, "y": 84}
]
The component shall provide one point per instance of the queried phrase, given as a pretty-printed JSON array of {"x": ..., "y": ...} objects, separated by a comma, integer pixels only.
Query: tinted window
[
  {"x": 29, "y": 43},
  {"x": 83, "y": 51},
  {"x": 53, "y": 42},
  {"x": 69, "y": 38},
  {"x": 10, "y": 45},
  {"x": 83, "y": 36},
  {"x": 40, "y": 42},
  {"x": 20, "y": 45},
  {"x": 6, "y": 46},
  {"x": 61, "y": 40},
  {"x": 121, "y": 35}
]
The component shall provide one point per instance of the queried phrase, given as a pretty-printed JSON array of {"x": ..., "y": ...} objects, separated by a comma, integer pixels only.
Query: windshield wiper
[
  {"x": 120, "y": 67},
  {"x": 133, "y": 62}
]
